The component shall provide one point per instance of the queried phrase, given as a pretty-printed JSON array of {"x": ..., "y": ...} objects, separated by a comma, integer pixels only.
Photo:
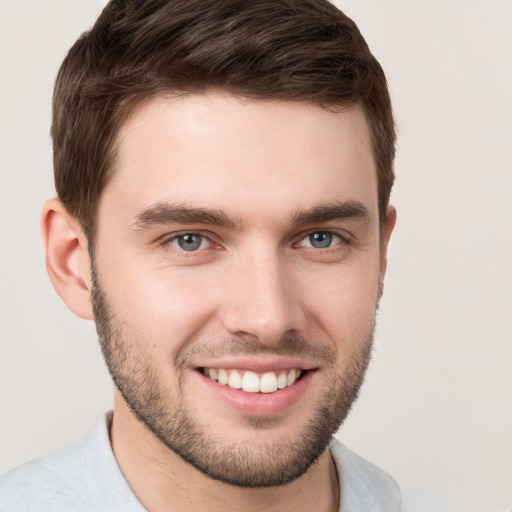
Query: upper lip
[{"x": 259, "y": 365}]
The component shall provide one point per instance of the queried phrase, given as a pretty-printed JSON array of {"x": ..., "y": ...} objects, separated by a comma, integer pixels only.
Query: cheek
[
  {"x": 344, "y": 301},
  {"x": 165, "y": 307}
]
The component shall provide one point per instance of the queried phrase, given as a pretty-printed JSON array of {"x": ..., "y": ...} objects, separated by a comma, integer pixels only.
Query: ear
[
  {"x": 67, "y": 257},
  {"x": 387, "y": 229}
]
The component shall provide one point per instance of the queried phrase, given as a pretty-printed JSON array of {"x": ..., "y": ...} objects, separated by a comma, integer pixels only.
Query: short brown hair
[{"x": 305, "y": 50}]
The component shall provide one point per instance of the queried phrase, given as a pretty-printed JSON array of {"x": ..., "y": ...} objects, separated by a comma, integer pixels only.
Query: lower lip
[{"x": 259, "y": 404}]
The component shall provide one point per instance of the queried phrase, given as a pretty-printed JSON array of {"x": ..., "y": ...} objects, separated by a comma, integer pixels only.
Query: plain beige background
[{"x": 436, "y": 410}]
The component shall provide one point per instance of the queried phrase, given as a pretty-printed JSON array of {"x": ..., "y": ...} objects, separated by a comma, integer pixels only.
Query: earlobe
[{"x": 67, "y": 257}]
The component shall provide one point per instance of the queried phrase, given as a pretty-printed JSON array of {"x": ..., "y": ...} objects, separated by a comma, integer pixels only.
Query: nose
[{"x": 261, "y": 299}]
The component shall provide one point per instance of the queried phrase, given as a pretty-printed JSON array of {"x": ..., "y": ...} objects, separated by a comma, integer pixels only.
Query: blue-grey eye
[
  {"x": 189, "y": 241},
  {"x": 321, "y": 240}
]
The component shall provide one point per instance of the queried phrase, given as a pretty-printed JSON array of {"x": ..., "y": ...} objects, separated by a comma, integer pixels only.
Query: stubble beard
[{"x": 257, "y": 463}]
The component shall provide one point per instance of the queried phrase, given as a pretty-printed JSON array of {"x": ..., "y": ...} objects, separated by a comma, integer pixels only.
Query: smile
[{"x": 252, "y": 382}]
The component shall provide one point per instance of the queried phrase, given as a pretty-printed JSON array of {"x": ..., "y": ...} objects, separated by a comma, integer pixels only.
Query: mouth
[
  {"x": 257, "y": 393},
  {"x": 254, "y": 382}
]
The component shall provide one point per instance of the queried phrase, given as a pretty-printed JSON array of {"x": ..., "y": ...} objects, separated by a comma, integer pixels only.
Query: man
[{"x": 223, "y": 172}]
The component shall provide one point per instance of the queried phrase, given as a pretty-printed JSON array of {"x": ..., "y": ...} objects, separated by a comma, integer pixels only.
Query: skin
[{"x": 262, "y": 164}]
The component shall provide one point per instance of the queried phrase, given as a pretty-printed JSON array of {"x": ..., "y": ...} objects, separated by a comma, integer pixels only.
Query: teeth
[
  {"x": 235, "y": 381},
  {"x": 281, "y": 381},
  {"x": 291, "y": 378},
  {"x": 251, "y": 382},
  {"x": 268, "y": 383},
  {"x": 223, "y": 377}
]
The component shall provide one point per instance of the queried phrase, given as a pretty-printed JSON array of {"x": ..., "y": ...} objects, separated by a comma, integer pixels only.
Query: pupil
[
  {"x": 189, "y": 242},
  {"x": 321, "y": 239}
]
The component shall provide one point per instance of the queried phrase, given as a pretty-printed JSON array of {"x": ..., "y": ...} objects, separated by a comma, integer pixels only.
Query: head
[
  {"x": 137, "y": 50},
  {"x": 223, "y": 171}
]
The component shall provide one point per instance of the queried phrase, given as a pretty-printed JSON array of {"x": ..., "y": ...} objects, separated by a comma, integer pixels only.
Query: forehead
[{"x": 251, "y": 158}]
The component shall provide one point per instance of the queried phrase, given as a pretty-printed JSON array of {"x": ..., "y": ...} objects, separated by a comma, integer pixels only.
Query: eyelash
[
  {"x": 204, "y": 238},
  {"x": 342, "y": 240},
  {"x": 332, "y": 246}
]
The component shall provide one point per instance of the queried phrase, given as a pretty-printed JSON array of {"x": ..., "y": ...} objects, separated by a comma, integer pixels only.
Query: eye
[
  {"x": 189, "y": 242},
  {"x": 321, "y": 240}
]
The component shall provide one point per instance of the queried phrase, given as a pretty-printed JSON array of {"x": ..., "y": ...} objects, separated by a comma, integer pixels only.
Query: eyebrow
[
  {"x": 333, "y": 211},
  {"x": 163, "y": 213}
]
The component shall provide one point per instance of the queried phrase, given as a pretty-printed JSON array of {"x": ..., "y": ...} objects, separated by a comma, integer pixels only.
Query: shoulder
[
  {"x": 364, "y": 486},
  {"x": 42, "y": 483},
  {"x": 82, "y": 477}
]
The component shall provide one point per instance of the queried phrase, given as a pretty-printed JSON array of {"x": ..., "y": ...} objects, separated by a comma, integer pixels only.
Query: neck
[{"x": 162, "y": 481}]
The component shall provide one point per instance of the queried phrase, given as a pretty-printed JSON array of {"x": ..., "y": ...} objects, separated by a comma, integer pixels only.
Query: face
[{"x": 237, "y": 273}]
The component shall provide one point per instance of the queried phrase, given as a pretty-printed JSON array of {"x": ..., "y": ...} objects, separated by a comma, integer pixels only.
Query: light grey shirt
[{"x": 85, "y": 477}]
